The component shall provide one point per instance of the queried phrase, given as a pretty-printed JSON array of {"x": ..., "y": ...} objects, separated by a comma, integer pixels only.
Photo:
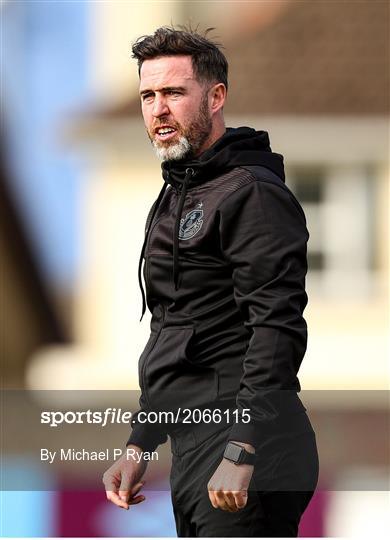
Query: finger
[
  {"x": 129, "y": 495},
  {"x": 124, "y": 495},
  {"x": 221, "y": 500},
  {"x": 230, "y": 501},
  {"x": 135, "y": 489},
  {"x": 125, "y": 488},
  {"x": 137, "y": 500},
  {"x": 114, "y": 498},
  {"x": 134, "y": 499},
  {"x": 212, "y": 498},
  {"x": 241, "y": 498}
]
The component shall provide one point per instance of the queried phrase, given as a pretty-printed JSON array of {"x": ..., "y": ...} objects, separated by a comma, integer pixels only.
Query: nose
[{"x": 160, "y": 107}]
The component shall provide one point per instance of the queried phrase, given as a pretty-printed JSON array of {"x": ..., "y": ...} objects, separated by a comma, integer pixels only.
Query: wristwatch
[{"x": 238, "y": 455}]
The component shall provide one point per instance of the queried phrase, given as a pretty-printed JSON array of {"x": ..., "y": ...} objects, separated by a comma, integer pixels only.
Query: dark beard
[
  {"x": 193, "y": 137},
  {"x": 199, "y": 130}
]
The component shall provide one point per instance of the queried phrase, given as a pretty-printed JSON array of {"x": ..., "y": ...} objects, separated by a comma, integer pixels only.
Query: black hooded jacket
[{"x": 225, "y": 265}]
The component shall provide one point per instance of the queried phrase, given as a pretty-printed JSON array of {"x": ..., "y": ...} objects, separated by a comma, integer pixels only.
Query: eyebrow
[{"x": 164, "y": 89}]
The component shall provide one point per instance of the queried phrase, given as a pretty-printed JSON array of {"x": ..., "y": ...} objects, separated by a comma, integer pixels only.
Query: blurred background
[{"x": 78, "y": 176}]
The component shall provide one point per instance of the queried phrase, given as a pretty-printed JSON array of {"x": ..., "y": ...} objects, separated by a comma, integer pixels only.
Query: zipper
[{"x": 143, "y": 376}]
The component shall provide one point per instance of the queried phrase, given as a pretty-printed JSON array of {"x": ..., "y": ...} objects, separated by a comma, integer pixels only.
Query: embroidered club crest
[{"x": 192, "y": 223}]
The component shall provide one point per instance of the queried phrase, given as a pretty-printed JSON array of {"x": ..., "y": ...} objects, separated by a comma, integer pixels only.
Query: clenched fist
[{"x": 228, "y": 487}]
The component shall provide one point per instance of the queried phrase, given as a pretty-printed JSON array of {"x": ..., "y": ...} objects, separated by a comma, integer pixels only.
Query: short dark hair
[{"x": 208, "y": 62}]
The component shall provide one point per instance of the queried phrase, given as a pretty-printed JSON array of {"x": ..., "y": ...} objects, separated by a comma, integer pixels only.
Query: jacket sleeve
[
  {"x": 263, "y": 236},
  {"x": 144, "y": 434}
]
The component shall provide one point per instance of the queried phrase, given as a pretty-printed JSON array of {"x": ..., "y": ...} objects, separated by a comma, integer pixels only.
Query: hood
[{"x": 237, "y": 147}]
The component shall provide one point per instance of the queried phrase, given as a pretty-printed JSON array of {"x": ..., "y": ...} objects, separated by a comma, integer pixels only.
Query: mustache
[{"x": 166, "y": 123}]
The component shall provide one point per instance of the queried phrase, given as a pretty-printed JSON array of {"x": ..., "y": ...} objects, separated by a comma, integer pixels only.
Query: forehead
[{"x": 166, "y": 71}]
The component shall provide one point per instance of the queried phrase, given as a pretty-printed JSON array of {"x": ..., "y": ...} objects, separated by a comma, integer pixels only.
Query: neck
[{"x": 216, "y": 133}]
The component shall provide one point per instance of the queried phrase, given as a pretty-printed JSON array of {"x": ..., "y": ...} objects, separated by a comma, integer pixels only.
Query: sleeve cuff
[
  {"x": 146, "y": 437},
  {"x": 244, "y": 433},
  {"x": 276, "y": 412}
]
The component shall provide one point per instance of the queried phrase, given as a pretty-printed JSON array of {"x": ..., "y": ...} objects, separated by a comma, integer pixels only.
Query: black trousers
[{"x": 284, "y": 479}]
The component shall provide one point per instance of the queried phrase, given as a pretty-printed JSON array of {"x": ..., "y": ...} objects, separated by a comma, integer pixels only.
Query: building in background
[{"x": 315, "y": 76}]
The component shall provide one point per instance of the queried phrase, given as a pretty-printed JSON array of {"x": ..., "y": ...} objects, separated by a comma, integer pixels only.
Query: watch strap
[{"x": 238, "y": 455}]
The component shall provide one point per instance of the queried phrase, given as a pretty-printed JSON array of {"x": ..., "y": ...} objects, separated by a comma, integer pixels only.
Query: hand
[
  {"x": 228, "y": 487},
  {"x": 122, "y": 480}
]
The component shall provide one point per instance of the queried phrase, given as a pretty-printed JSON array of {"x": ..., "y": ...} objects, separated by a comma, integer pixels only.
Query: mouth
[{"x": 165, "y": 133}]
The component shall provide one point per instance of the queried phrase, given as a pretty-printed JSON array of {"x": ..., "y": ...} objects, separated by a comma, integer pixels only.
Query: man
[{"x": 225, "y": 266}]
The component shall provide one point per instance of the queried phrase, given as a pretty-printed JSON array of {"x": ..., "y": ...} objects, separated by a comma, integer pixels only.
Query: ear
[{"x": 217, "y": 97}]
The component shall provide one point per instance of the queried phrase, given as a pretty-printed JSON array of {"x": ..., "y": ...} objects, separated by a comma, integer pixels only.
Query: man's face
[{"x": 175, "y": 107}]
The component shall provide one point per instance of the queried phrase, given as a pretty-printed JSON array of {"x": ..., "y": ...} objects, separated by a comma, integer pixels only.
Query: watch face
[{"x": 233, "y": 452}]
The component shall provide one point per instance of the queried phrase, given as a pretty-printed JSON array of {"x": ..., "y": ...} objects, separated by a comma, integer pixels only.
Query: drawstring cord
[
  {"x": 176, "y": 229},
  {"x": 141, "y": 258},
  {"x": 187, "y": 178}
]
